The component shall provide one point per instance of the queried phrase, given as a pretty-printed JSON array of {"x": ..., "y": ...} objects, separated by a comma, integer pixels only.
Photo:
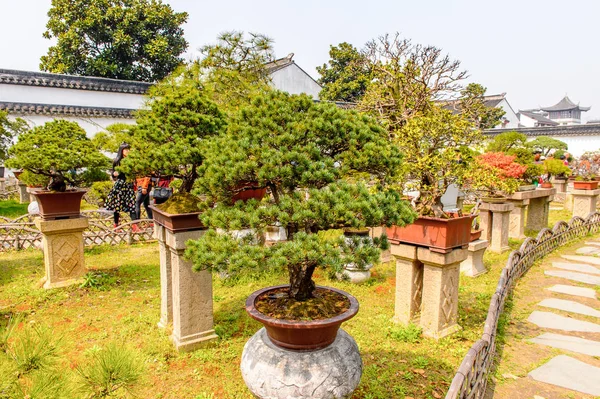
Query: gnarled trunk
[{"x": 301, "y": 283}]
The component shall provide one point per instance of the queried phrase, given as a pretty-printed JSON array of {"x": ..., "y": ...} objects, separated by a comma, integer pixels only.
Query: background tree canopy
[
  {"x": 121, "y": 39},
  {"x": 346, "y": 76}
]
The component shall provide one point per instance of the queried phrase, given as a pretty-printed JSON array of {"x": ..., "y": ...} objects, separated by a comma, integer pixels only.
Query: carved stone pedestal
[
  {"x": 62, "y": 242},
  {"x": 495, "y": 225},
  {"x": 473, "y": 266},
  {"x": 539, "y": 209},
  {"x": 23, "y": 194},
  {"x": 560, "y": 185},
  {"x": 427, "y": 281},
  {"x": 190, "y": 292},
  {"x": 531, "y": 210},
  {"x": 585, "y": 202}
]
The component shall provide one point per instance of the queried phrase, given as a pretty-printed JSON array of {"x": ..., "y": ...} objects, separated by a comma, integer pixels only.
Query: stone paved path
[{"x": 553, "y": 346}]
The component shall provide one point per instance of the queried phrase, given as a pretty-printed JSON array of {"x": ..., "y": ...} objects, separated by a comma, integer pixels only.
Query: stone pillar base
[
  {"x": 166, "y": 286},
  {"x": 517, "y": 219},
  {"x": 409, "y": 282},
  {"x": 568, "y": 204},
  {"x": 23, "y": 194},
  {"x": 276, "y": 373},
  {"x": 585, "y": 202},
  {"x": 62, "y": 242},
  {"x": 473, "y": 266},
  {"x": 496, "y": 225},
  {"x": 560, "y": 185},
  {"x": 2, "y": 184},
  {"x": 192, "y": 301}
]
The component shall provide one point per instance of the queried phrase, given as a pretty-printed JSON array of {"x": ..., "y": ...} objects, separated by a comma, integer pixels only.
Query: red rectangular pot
[
  {"x": 177, "y": 222},
  {"x": 585, "y": 185},
  {"x": 440, "y": 235},
  {"x": 57, "y": 205}
]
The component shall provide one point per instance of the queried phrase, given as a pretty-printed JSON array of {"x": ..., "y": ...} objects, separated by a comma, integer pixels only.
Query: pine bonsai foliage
[
  {"x": 169, "y": 135},
  {"x": 58, "y": 149},
  {"x": 316, "y": 160}
]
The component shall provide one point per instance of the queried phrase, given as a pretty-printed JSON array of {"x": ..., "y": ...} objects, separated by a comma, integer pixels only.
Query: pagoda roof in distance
[{"x": 565, "y": 105}]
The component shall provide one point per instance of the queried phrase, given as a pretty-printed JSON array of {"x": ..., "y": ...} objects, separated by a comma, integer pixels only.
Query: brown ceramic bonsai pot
[
  {"x": 546, "y": 185},
  {"x": 348, "y": 232},
  {"x": 249, "y": 190},
  {"x": 440, "y": 235},
  {"x": 17, "y": 173},
  {"x": 475, "y": 235},
  {"x": 585, "y": 185},
  {"x": 301, "y": 335},
  {"x": 177, "y": 222},
  {"x": 59, "y": 205}
]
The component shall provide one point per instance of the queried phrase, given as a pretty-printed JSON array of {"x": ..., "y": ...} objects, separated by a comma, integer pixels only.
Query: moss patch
[
  {"x": 323, "y": 305},
  {"x": 180, "y": 203}
]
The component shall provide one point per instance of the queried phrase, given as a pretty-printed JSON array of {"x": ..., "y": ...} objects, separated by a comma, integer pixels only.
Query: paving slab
[
  {"x": 577, "y": 267},
  {"x": 572, "y": 290},
  {"x": 558, "y": 322},
  {"x": 596, "y": 243},
  {"x": 570, "y": 306},
  {"x": 592, "y": 260},
  {"x": 567, "y": 342},
  {"x": 581, "y": 277},
  {"x": 588, "y": 251},
  {"x": 567, "y": 372}
]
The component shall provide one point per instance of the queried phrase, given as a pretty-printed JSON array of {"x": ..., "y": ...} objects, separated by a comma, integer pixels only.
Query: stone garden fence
[
  {"x": 21, "y": 233},
  {"x": 471, "y": 378}
]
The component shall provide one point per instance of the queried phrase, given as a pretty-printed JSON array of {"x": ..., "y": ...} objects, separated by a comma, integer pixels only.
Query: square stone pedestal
[
  {"x": 585, "y": 202},
  {"x": 473, "y": 265},
  {"x": 531, "y": 210},
  {"x": 427, "y": 281},
  {"x": 560, "y": 185},
  {"x": 23, "y": 194},
  {"x": 494, "y": 220},
  {"x": 62, "y": 241},
  {"x": 186, "y": 295}
]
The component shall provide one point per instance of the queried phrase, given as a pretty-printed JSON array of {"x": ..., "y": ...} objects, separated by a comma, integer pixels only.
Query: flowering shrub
[
  {"x": 495, "y": 173},
  {"x": 506, "y": 165}
]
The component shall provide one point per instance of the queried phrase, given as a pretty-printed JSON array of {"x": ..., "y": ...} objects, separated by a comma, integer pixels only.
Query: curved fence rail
[
  {"x": 471, "y": 378},
  {"x": 21, "y": 233}
]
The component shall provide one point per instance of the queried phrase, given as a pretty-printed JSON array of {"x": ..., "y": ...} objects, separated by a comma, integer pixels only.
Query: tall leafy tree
[
  {"x": 472, "y": 105},
  {"x": 121, "y": 39},
  {"x": 315, "y": 160},
  {"x": 346, "y": 76},
  {"x": 9, "y": 129}
]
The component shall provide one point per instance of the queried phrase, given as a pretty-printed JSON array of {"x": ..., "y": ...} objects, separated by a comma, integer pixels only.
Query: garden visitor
[
  {"x": 144, "y": 185},
  {"x": 162, "y": 190},
  {"x": 122, "y": 197}
]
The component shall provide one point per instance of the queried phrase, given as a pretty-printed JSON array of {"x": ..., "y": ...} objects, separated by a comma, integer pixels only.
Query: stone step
[
  {"x": 567, "y": 342},
  {"x": 567, "y": 372},
  {"x": 596, "y": 243},
  {"x": 558, "y": 322},
  {"x": 570, "y": 306},
  {"x": 582, "y": 278},
  {"x": 577, "y": 267},
  {"x": 572, "y": 290},
  {"x": 592, "y": 260},
  {"x": 588, "y": 251}
]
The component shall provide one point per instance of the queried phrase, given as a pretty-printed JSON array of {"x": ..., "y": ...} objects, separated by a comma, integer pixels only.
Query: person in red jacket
[{"x": 144, "y": 185}]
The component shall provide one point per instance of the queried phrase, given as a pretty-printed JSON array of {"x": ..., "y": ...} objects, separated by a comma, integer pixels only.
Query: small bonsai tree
[
  {"x": 556, "y": 168},
  {"x": 168, "y": 136},
  {"x": 512, "y": 143},
  {"x": 59, "y": 150},
  {"x": 314, "y": 159},
  {"x": 545, "y": 145},
  {"x": 496, "y": 174}
]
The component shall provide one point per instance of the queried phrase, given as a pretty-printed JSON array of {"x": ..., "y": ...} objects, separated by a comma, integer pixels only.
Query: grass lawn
[
  {"x": 12, "y": 209},
  {"x": 398, "y": 362}
]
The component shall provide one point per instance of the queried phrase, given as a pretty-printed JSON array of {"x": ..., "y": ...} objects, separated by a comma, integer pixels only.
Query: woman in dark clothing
[
  {"x": 144, "y": 186},
  {"x": 122, "y": 197}
]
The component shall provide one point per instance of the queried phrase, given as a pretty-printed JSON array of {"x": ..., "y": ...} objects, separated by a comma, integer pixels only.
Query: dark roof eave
[
  {"x": 588, "y": 129},
  {"x": 66, "y": 110}
]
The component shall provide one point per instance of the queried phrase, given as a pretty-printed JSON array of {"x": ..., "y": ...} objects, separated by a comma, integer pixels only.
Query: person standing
[
  {"x": 122, "y": 197},
  {"x": 143, "y": 196}
]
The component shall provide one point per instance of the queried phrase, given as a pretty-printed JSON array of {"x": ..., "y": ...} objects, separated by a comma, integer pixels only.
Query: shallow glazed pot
[
  {"x": 58, "y": 205},
  {"x": 439, "y": 235},
  {"x": 301, "y": 335},
  {"x": 527, "y": 187},
  {"x": 177, "y": 222},
  {"x": 585, "y": 185}
]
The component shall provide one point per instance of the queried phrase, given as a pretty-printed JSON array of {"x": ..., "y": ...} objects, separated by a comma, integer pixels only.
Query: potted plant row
[{"x": 56, "y": 152}]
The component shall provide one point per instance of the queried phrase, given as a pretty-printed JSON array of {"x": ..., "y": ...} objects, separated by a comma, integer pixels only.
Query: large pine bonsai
[{"x": 325, "y": 168}]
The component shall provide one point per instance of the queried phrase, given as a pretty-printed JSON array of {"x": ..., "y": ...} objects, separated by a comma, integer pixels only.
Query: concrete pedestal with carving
[
  {"x": 427, "y": 281},
  {"x": 585, "y": 202},
  {"x": 276, "y": 373},
  {"x": 23, "y": 194},
  {"x": 517, "y": 219},
  {"x": 560, "y": 185},
  {"x": 191, "y": 293},
  {"x": 473, "y": 266},
  {"x": 62, "y": 242},
  {"x": 531, "y": 210},
  {"x": 495, "y": 225},
  {"x": 166, "y": 285}
]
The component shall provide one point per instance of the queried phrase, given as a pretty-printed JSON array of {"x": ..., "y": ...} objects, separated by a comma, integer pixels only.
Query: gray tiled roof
[
  {"x": 565, "y": 105},
  {"x": 65, "y": 110},
  {"x": 43, "y": 79},
  {"x": 538, "y": 117},
  {"x": 589, "y": 129}
]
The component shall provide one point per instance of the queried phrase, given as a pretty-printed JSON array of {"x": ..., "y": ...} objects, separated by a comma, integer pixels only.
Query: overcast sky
[{"x": 535, "y": 51}]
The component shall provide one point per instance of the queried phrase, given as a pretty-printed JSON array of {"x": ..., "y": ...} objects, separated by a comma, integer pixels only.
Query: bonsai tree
[
  {"x": 496, "y": 174},
  {"x": 169, "y": 134},
  {"x": 556, "y": 168},
  {"x": 533, "y": 173},
  {"x": 58, "y": 150},
  {"x": 545, "y": 145},
  {"x": 512, "y": 143},
  {"x": 316, "y": 161}
]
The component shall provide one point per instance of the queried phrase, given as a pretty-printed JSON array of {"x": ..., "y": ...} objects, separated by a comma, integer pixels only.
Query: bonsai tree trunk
[
  {"x": 57, "y": 183},
  {"x": 301, "y": 283}
]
